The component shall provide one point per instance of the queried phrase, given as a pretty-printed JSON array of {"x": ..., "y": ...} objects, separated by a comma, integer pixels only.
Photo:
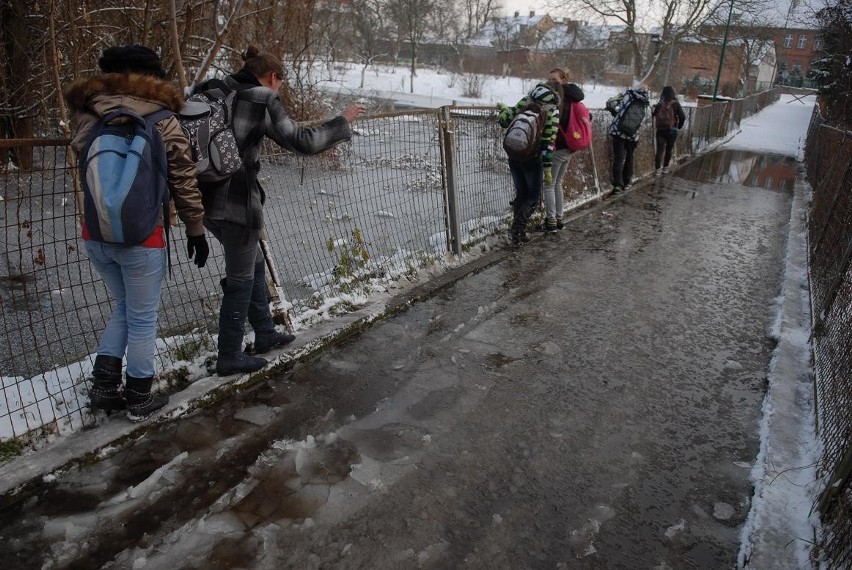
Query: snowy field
[{"x": 436, "y": 88}]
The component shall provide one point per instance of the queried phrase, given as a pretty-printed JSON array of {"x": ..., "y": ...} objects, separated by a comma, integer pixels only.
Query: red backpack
[
  {"x": 578, "y": 135},
  {"x": 665, "y": 115}
]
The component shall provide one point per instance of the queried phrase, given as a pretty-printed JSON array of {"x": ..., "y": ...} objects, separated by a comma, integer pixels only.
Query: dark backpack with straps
[
  {"x": 207, "y": 121},
  {"x": 665, "y": 115},
  {"x": 632, "y": 117},
  {"x": 124, "y": 170},
  {"x": 522, "y": 139}
]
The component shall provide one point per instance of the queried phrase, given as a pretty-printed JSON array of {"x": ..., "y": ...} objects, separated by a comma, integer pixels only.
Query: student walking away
[
  {"x": 234, "y": 206},
  {"x": 134, "y": 159},
  {"x": 553, "y": 197},
  {"x": 668, "y": 120},
  {"x": 628, "y": 110},
  {"x": 530, "y": 131}
]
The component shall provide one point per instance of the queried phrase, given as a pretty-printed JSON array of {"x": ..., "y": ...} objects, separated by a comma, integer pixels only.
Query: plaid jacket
[{"x": 258, "y": 113}]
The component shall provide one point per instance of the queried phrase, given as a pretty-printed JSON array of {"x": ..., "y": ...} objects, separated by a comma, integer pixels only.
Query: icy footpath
[{"x": 781, "y": 526}]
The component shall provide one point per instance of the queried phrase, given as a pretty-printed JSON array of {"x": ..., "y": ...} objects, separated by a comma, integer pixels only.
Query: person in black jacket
[
  {"x": 234, "y": 208},
  {"x": 668, "y": 120},
  {"x": 553, "y": 197}
]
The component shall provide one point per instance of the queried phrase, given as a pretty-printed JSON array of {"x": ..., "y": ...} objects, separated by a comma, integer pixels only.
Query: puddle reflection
[{"x": 768, "y": 171}]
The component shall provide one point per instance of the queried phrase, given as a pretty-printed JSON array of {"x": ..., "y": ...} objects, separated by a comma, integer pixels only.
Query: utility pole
[{"x": 722, "y": 56}]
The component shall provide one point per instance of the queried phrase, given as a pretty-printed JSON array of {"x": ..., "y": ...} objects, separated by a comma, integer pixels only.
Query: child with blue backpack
[{"x": 134, "y": 161}]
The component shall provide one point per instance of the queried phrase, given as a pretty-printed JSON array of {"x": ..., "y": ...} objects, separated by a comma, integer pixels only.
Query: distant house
[
  {"x": 510, "y": 46},
  {"x": 797, "y": 39},
  {"x": 531, "y": 45},
  {"x": 779, "y": 44},
  {"x": 696, "y": 66}
]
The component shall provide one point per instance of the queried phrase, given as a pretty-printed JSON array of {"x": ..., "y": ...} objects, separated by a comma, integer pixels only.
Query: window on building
[
  {"x": 803, "y": 41},
  {"x": 817, "y": 44},
  {"x": 797, "y": 65},
  {"x": 788, "y": 40}
]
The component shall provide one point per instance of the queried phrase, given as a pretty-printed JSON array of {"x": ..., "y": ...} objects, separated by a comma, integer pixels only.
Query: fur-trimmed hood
[{"x": 144, "y": 94}]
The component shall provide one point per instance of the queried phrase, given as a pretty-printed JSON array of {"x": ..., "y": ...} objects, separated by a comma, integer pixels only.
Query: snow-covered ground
[{"x": 435, "y": 88}]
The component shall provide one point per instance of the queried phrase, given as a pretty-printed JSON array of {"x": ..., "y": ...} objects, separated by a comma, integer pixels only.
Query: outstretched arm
[{"x": 307, "y": 140}]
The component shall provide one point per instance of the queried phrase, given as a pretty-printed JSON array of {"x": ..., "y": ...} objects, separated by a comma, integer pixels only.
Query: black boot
[
  {"x": 105, "y": 393},
  {"x": 232, "y": 318},
  {"x": 141, "y": 403},
  {"x": 264, "y": 341}
]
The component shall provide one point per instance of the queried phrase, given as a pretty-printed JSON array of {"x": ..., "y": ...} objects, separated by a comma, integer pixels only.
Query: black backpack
[
  {"x": 207, "y": 121},
  {"x": 632, "y": 117}
]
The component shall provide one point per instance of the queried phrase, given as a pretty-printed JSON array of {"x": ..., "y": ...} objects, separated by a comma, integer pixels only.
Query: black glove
[{"x": 198, "y": 246}]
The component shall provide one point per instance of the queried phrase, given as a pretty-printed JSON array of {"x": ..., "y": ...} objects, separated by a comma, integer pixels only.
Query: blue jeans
[{"x": 134, "y": 277}]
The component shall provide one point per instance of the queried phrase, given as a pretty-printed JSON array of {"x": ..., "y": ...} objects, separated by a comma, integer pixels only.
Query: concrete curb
[{"x": 36, "y": 467}]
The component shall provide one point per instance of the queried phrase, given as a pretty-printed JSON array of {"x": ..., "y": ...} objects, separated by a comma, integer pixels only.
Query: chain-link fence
[
  {"x": 410, "y": 189},
  {"x": 829, "y": 168}
]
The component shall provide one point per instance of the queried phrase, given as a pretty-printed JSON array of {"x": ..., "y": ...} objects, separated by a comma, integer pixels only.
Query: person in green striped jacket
[{"x": 528, "y": 175}]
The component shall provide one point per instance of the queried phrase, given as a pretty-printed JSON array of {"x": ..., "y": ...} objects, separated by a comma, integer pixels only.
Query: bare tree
[
  {"x": 47, "y": 44},
  {"x": 412, "y": 18},
  {"x": 370, "y": 28},
  {"x": 673, "y": 19},
  {"x": 21, "y": 36},
  {"x": 477, "y": 13}
]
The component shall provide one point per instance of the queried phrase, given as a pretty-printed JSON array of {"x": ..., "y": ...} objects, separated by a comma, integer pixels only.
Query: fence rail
[
  {"x": 410, "y": 189},
  {"x": 829, "y": 167}
]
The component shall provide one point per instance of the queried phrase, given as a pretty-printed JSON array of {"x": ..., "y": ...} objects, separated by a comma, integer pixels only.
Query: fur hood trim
[{"x": 132, "y": 84}]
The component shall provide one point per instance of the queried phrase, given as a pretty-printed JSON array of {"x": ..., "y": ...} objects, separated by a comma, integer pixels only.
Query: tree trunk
[
  {"x": 173, "y": 33},
  {"x": 18, "y": 37},
  {"x": 413, "y": 66}
]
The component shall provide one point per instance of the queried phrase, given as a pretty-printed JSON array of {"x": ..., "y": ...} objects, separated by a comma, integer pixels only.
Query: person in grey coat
[{"x": 234, "y": 208}]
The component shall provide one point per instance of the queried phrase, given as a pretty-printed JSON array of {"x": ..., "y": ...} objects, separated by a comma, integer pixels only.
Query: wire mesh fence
[
  {"x": 829, "y": 167},
  {"x": 410, "y": 189}
]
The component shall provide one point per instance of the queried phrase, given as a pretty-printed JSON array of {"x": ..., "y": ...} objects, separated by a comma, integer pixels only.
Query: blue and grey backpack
[{"x": 124, "y": 169}]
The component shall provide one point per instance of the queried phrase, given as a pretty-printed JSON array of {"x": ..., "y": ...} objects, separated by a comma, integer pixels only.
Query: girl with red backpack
[{"x": 553, "y": 197}]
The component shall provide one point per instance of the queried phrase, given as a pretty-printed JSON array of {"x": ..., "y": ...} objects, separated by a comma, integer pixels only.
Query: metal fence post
[{"x": 448, "y": 158}]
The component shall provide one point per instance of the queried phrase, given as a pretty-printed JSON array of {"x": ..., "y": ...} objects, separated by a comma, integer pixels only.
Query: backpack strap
[{"x": 155, "y": 118}]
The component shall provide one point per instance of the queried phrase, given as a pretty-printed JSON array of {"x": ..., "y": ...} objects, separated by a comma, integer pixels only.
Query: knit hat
[
  {"x": 543, "y": 95},
  {"x": 132, "y": 58}
]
